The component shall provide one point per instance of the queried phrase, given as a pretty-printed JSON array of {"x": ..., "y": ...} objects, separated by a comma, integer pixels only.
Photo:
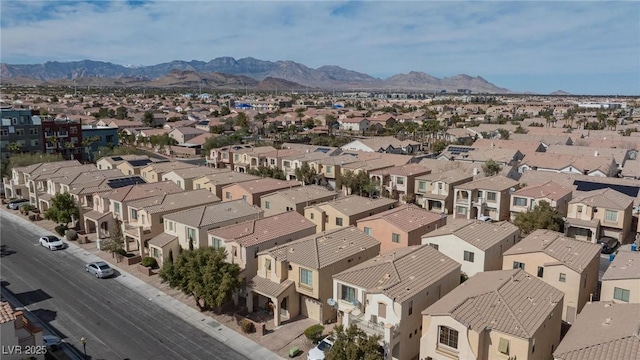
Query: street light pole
[{"x": 83, "y": 340}]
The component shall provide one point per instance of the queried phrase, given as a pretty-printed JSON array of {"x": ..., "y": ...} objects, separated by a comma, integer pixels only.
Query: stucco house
[
  {"x": 295, "y": 199},
  {"x": 154, "y": 172},
  {"x": 345, "y": 211},
  {"x": 621, "y": 280},
  {"x": 185, "y": 177},
  {"x": 434, "y": 192},
  {"x": 526, "y": 198},
  {"x": 214, "y": 182},
  {"x": 252, "y": 191},
  {"x": 489, "y": 196}
]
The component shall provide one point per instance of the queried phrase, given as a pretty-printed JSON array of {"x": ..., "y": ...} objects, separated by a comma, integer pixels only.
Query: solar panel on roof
[
  {"x": 122, "y": 182},
  {"x": 322, "y": 150},
  {"x": 137, "y": 163},
  {"x": 628, "y": 190},
  {"x": 117, "y": 158}
]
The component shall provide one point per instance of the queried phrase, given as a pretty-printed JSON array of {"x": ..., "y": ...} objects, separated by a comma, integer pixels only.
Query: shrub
[
  {"x": 26, "y": 208},
  {"x": 60, "y": 229},
  {"x": 71, "y": 235},
  {"x": 32, "y": 217},
  {"x": 247, "y": 326},
  {"x": 314, "y": 333},
  {"x": 149, "y": 262},
  {"x": 122, "y": 252}
]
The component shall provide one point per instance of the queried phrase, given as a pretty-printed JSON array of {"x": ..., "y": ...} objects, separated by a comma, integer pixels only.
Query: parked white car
[
  {"x": 318, "y": 352},
  {"x": 52, "y": 242},
  {"x": 485, "y": 218}
]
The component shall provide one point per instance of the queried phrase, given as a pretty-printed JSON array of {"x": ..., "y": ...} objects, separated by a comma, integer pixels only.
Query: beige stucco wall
[
  {"x": 633, "y": 285},
  {"x": 623, "y": 223},
  {"x": 382, "y": 231},
  {"x": 127, "y": 169},
  {"x": 316, "y": 216}
]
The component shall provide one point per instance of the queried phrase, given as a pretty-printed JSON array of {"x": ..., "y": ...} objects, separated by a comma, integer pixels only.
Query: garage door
[{"x": 310, "y": 308}]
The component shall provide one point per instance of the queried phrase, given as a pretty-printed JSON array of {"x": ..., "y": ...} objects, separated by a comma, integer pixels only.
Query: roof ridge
[
  {"x": 204, "y": 210},
  {"x": 637, "y": 336},
  {"x": 497, "y": 291},
  {"x": 317, "y": 257}
]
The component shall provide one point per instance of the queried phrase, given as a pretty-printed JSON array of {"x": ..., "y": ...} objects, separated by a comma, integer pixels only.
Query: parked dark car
[
  {"x": 608, "y": 244},
  {"x": 15, "y": 204}
]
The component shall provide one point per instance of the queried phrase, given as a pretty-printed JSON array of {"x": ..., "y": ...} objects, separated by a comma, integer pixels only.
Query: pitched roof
[
  {"x": 548, "y": 190},
  {"x": 354, "y": 204},
  {"x": 525, "y": 147},
  {"x": 626, "y": 265},
  {"x": 189, "y": 131},
  {"x": 264, "y": 185},
  {"x": 163, "y": 167},
  {"x": 213, "y": 214},
  {"x": 253, "y": 232},
  {"x": 406, "y": 170},
  {"x": 323, "y": 249},
  {"x": 401, "y": 273},
  {"x": 383, "y": 142},
  {"x": 195, "y": 172},
  {"x": 7, "y": 313},
  {"x": 618, "y": 154},
  {"x": 229, "y": 177},
  {"x": 163, "y": 239},
  {"x": 407, "y": 217},
  {"x": 50, "y": 165},
  {"x": 140, "y": 191},
  {"x": 303, "y": 194},
  {"x": 269, "y": 287},
  {"x": 606, "y": 198},
  {"x": 449, "y": 177},
  {"x": 603, "y": 331},
  {"x": 176, "y": 201},
  {"x": 509, "y": 301},
  {"x": 586, "y": 162},
  {"x": 496, "y": 183},
  {"x": 480, "y": 234},
  {"x": 574, "y": 254}
]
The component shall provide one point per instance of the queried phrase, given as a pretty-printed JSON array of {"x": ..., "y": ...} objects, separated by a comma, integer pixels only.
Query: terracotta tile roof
[
  {"x": 257, "y": 231},
  {"x": 548, "y": 190},
  {"x": 268, "y": 287},
  {"x": 162, "y": 240},
  {"x": 626, "y": 265},
  {"x": 7, "y": 313},
  {"x": 323, "y": 249},
  {"x": 574, "y": 254},
  {"x": 603, "y": 331},
  {"x": 354, "y": 204},
  {"x": 202, "y": 216},
  {"x": 175, "y": 201},
  {"x": 606, "y": 198},
  {"x": 482, "y": 235},
  {"x": 545, "y": 139},
  {"x": 509, "y": 301},
  {"x": 406, "y": 217},
  {"x": 229, "y": 177},
  {"x": 282, "y": 153},
  {"x": 141, "y": 191},
  {"x": 264, "y": 185},
  {"x": 586, "y": 162},
  {"x": 401, "y": 273},
  {"x": 496, "y": 183}
]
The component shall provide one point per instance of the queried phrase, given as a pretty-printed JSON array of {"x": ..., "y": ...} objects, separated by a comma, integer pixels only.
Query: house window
[
  {"x": 621, "y": 294},
  {"x": 273, "y": 161},
  {"x": 134, "y": 214},
  {"x": 439, "y": 186},
  {"x": 462, "y": 210},
  {"x": 395, "y": 238},
  {"x": 234, "y": 251},
  {"x": 267, "y": 264},
  {"x": 579, "y": 209},
  {"x": 267, "y": 204},
  {"x": 540, "y": 271},
  {"x": 422, "y": 186},
  {"x": 562, "y": 277},
  {"x": 582, "y": 232},
  {"x": 329, "y": 169},
  {"x": 306, "y": 277},
  {"x": 191, "y": 234},
  {"x": 382, "y": 310},
  {"x": 170, "y": 225},
  {"x": 410, "y": 307},
  {"x": 33, "y": 131},
  {"x": 611, "y": 216},
  {"x": 339, "y": 221},
  {"x": 347, "y": 293},
  {"x": 400, "y": 180},
  {"x": 503, "y": 346},
  {"x": 448, "y": 336},
  {"x": 518, "y": 201},
  {"x": 468, "y": 256},
  {"x": 179, "y": 183},
  {"x": 244, "y": 197},
  {"x": 518, "y": 265},
  {"x": 217, "y": 243},
  {"x": 479, "y": 194},
  {"x": 435, "y": 246},
  {"x": 116, "y": 207},
  {"x": 491, "y": 196},
  {"x": 367, "y": 230},
  {"x": 20, "y": 132},
  {"x": 227, "y": 195},
  {"x": 73, "y": 130},
  {"x": 311, "y": 216}
]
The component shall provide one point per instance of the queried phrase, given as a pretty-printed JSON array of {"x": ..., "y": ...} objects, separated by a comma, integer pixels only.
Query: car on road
[
  {"x": 16, "y": 203},
  {"x": 52, "y": 242},
  {"x": 318, "y": 352},
  {"x": 485, "y": 218},
  {"x": 608, "y": 244},
  {"x": 51, "y": 341},
  {"x": 100, "y": 269}
]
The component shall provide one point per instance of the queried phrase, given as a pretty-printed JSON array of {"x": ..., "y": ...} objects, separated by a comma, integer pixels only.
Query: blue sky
[{"x": 583, "y": 47}]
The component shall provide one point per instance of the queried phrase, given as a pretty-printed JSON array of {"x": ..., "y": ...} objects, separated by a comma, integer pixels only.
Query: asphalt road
[{"x": 118, "y": 322}]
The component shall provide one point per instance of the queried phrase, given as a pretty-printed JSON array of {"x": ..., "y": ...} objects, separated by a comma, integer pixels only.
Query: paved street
[{"x": 118, "y": 322}]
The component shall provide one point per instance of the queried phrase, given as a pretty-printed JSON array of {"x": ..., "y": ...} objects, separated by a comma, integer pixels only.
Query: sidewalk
[{"x": 89, "y": 253}]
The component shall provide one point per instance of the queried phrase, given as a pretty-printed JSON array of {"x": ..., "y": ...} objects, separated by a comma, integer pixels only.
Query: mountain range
[{"x": 229, "y": 73}]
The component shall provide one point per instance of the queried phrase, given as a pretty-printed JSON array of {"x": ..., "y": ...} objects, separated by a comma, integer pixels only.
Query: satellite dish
[
  {"x": 331, "y": 302},
  {"x": 356, "y": 302},
  {"x": 512, "y": 190}
]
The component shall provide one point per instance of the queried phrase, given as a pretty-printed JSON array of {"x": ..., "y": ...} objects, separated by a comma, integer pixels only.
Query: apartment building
[
  {"x": 62, "y": 136},
  {"x": 21, "y": 127},
  {"x": 434, "y": 192},
  {"x": 399, "y": 182},
  {"x": 489, "y": 196},
  {"x": 346, "y": 211}
]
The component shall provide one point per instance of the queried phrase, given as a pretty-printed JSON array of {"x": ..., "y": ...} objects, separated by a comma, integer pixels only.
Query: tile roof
[
  {"x": 450, "y": 176},
  {"x": 196, "y": 172},
  {"x": 168, "y": 166},
  {"x": 302, "y": 194},
  {"x": 175, "y": 201},
  {"x": 56, "y": 172},
  {"x": 7, "y": 313},
  {"x": 496, "y": 183},
  {"x": 354, "y": 204},
  {"x": 406, "y": 170},
  {"x": 141, "y": 191},
  {"x": 618, "y": 154},
  {"x": 402, "y": 273},
  {"x": 548, "y": 190},
  {"x": 85, "y": 178},
  {"x": 323, "y": 249},
  {"x": 509, "y": 301},
  {"x": 162, "y": 239},
  {"x": 603, "y": 331},
  {"x": 407, "y": 217},
  {"x": 606, "y": 198},
  {"x": 482, "y": 235},
  {"x": 263, "y": 185},
  {"x": 213, "y": 214},
  {"x": 574, "y": 254},
  {"x": 257, "y": 231},
  {"x": 50, "y": 165},
  {"x": 229, "y": 177},
  {"x": 525, "y": 147},
  {"x": 586, "y": 162},
  {"x": 269, "y": 287},
  {"x": 189, "y": 131},
  {"x": 382, "y": 142},
  {"x": 626, "y": 265}
]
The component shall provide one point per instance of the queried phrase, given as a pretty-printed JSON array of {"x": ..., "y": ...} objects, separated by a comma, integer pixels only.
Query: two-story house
[
  {"x": 243, "y": 241},
  {"x": 18, "y": 185},
  {"x": 295, "y": 199},
  {"x": 594, "y": 214},
  {"x": 253, "y": 190},
  {"x": 244, "y": 159},
  {"x": 216, "y": 181},
  {"x": 354, "y": 124},
  {"x": 399, "y": 181},
  {"x": 154, "y": 171},
  {"x": 18, "y": 333},
  {"x": 401, "y": 226},
  {"x": 112, "y": 162},
  {"x": 621, "y": 281},
  {"x": 146, "y": 216},
  {"x": 330, "y": 168},
  {"x": 291, "y": 163},
  {"x": 346, "y": 211},
  {"x": 434, "y": 192},
  {"x": 223, "y": 157},
  {"x": 489, "y": 196},
  {"x": 477, "y": 245},
  {"x": 296, "y": 278},
  {"x": 525, "y": 199},
  {"x": 183, "y": 134},
  {"x": 567, "y": 264},
  {"x": 505, "y": 314},
  {"x": 185, "y": 177},
  {"x": 188, "y": 229},
  {"x": 603, "y": 331},
  {"x": 385, "y": 295}
]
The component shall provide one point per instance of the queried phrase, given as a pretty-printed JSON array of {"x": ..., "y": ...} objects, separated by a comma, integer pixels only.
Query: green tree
[
  {"x": 20, "y": 160},
  {"x": 265, "y": 171},
  {"x": 224, "y": 110},
  {"x": 543, "y": 216},
  {"x": 242, "y": 120},
  {"x": 491, "y": 167},
  {"x": 115, "y": 242},
  {"x": 306, "y": 174},
  {"x": 121, "y": 112},
  {"x": 330, "y": 120},
  {"x": 353, "y": 343},
  {"x": 204, "y": 274},
  {"x": 147, "y": 119},
  {"x": 504, "y": 133},
  {"x": 520, "y": 130},
  {"x": 63, "y": 209}
]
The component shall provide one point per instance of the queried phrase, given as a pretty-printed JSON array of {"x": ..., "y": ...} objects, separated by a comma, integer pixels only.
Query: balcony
[
  {"x": 63, "y": 134},
  {"x": 462, "y": 200},
  {"x": 49, "y": 134},
  {"x": 373, "y": 327}
]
